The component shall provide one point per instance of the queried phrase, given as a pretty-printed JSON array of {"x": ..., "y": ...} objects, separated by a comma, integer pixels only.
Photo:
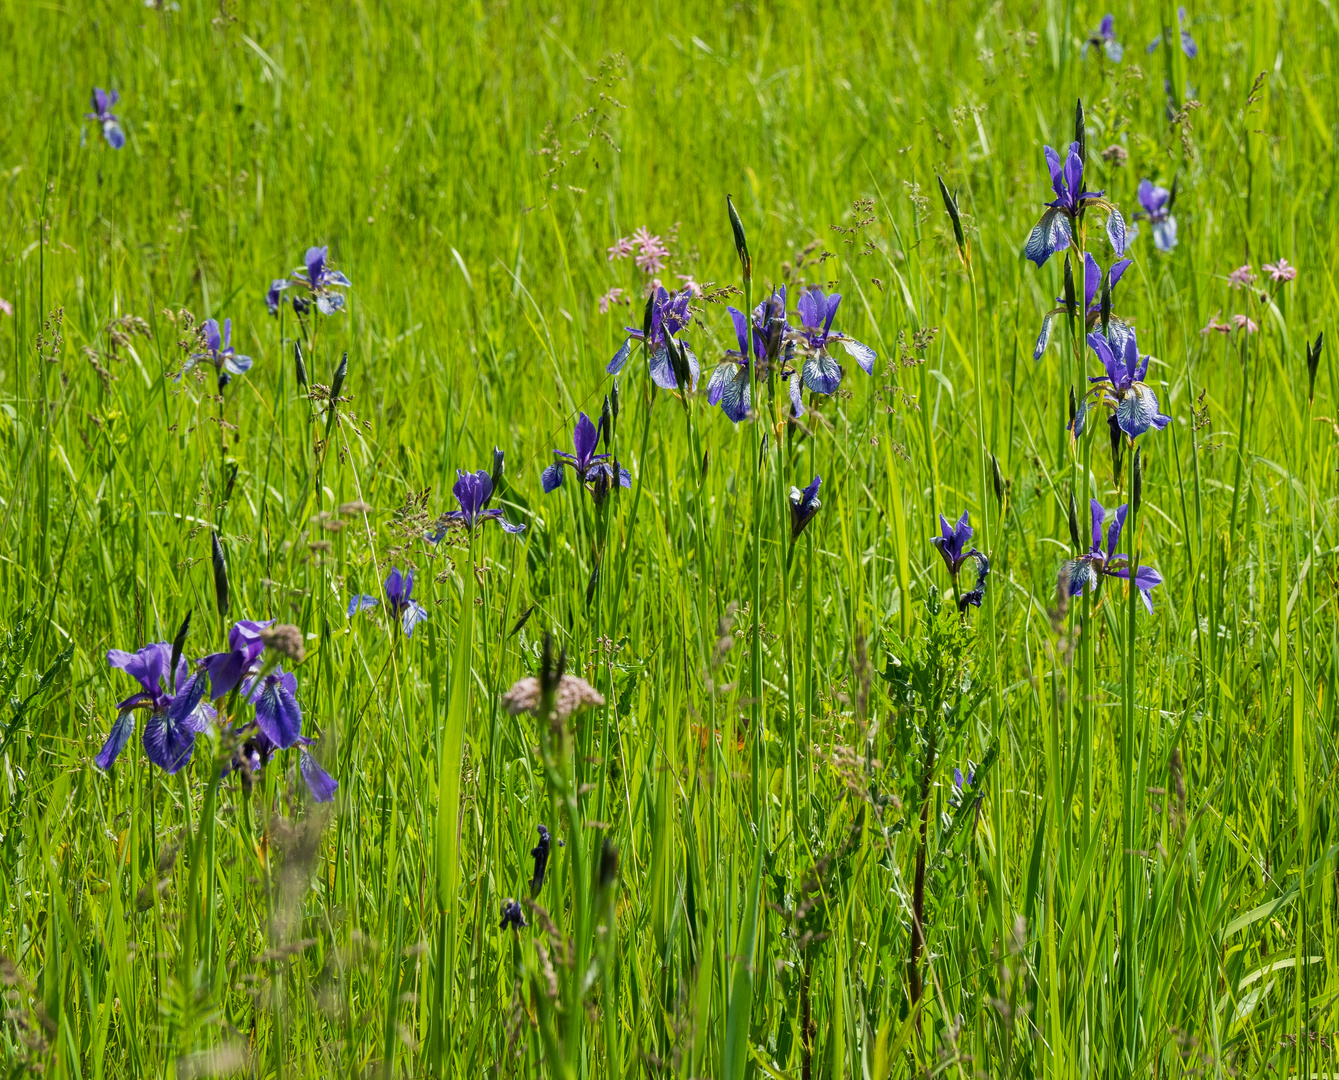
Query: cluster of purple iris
[{"x": 182, "y": 699}]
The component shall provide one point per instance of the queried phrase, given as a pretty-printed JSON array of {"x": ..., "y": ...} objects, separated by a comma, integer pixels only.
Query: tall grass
[{"x": 1138, "y": 879}]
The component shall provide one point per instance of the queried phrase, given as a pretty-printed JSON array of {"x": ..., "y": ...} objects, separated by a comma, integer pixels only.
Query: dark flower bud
[
  {"x": 1073, "y": 411},
  {"x": 607, "y": 420},
  {"x": 232, "y": 479},
  {"x": 1117, "y": 448},
  {"x": 679, "y": 362},
  {"x": 608, "y": 864},
  {"x": 224, "y": 380},
  {"x": 179, "y": 643},
  {"x": 803, "y": 506},
  {"x": 998, "y": 478},
  {"x": 1171, "y": 196},
  {"x": 613, "y": 400},
  {"x": 1106, "y": 303},
  {"x": 1313, "y": 365},
  {"x": 648, "y": 316},
  {"x": 301, "y": 305},
  {"x": 540, "y": 853},
  {"x": 220, "y": 574},
  {"x": 1137, "y": 485},
  {"x": 951, "y": 205},
  {"x": 741, "y": 242},
  {"x": 512, "y": 916},
  {"x": 1071, "y": 300},
  {"x": 1074, "y": 524},
  {"x": 335, "y": 387},
  {"x": 298, "y": 365},
  {"x": 594, "y": 580},
  {"x": 1081, "y": 132}
]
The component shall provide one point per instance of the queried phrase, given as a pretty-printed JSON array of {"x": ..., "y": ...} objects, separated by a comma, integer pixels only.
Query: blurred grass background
[{"x": 468, "y": 166}]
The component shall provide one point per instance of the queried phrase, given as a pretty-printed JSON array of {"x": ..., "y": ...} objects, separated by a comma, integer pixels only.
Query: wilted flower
[
  {"x": 1092, "y": 305},
  {"x": 541, "y": 856},
  {"x": 103, "y": 101},
  {"x": 219, "y": 353},
  {"x": 399, "y": 600},
  {"x": 318, "y": 282},
  {"x": 1280, "y": 271},
  {"x": 177, "y": 710},
  {"x": 1088, "y": 570},
  {"x": 1105, "y": 38},
  {"x": 512, "y": 916},
  {"x": 803, "y": 506},
  {"x": 1116, "y": 155},
  {"x": 1241, "y": 277},
  {"x": 669, "y": 316},
  {"x": 820, "y": 373},
  {"x": 473, "y": 492},
  {"x": 573, "y": 694},
  {"x": 286, "y": 640},
  {"x": 590, "y": 467},
  {"x": 1122, "y": 388},
  {"x": 952, "y": 544},
  {"x": 1188, "y": 45},
  {"x": 1055, "y": 229},
  {"x": 1216, "y": 326},
  {"x": 1245, "y": 322},
  {"x": 1157, "y": 204}
]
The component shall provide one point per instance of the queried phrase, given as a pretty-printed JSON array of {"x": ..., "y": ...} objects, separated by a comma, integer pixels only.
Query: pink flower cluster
[
  {"x": 1239, "y": 322},
  {"x": 613, "y": 296},
  {"x": 1280, "y": 271},
  {"x": 648, "y": 250}
]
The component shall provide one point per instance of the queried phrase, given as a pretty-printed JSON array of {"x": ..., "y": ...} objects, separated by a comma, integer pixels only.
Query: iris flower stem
[
  {"x": 809, "y": 677},
  {"x": 191, "y": 935},
  {"x": 1129, "y": 931}
]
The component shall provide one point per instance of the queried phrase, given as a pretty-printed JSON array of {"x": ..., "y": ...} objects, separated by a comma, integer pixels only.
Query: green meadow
[{"x": 810, "y": 818}]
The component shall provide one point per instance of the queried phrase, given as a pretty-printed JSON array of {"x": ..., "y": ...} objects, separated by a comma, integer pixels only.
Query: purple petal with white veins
[
  {"x": 821, "y": 374},
  {"x": 863, "y": 354},
  {"x": 167, "y": 742},
  {"x": 552, "y": 478},
  {"x": 735, "y": 397},
  {"x": 1116, "y": 230},
  {"x": 1164, "y": 234},
  {"x": 796, "y": 395},
  {"x": 413, "y": 615},
  {"x": 662, "y": 371},
  {"x": 620, "y": 357},
  {"x": 1043, "y": 338},
  {"x": 111, "y": 131},
  {"x": 277, "y": 712}
]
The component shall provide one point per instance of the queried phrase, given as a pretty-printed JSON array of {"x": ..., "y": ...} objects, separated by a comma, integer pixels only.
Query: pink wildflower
[
  {"x": 653, "y": 256},
  {"x": 6, "y": 307},
  {"x": 1241, "y": 277},
  {"x": 1243, "y": 322},
  {"x": 1280, "y": 271},
  {"x": 1216, "y": 326},
  {"x": 620, "y": 249},
  {"x": 613, "y": 296}
]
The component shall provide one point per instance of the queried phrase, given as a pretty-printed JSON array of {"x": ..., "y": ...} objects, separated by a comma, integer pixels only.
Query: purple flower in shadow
[
  {"x": 399, "y": 601},
  {"x": 1088, "y": 570}
]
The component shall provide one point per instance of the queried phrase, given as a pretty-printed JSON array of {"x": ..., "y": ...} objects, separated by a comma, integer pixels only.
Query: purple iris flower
[
  {"x": 1105, "y": 38},
  {"x": 278, "y": 715},
  {"x": 952, "y": 544},
  {"x": 399, "y": 600},
  {"x": 318, "y": 281},
  {"x": 177, "y": 712},
  {"x": 728, "y": 386},
  {"x": 473, "y": 491},
  {"x": 1122, "y": 389},
  {"x": 1056, "y": 228},
  {"x": 820, "y": 372},
  {"x": 512, "y": 916},
  {"x": 669, "y": 316},
  {"x": 1092, "y": 305},
  {"x": 590, "y": 467},
  {"x": 258, "y": 748},
  {"x": 1188, "y": 45},
  {"x": 803, "y": 506},
  {"x": 227, "y": 670},
  {"x": 1157, "y": 204},
  {"x": 219, "y": 353},
  {"x": 1087, "y": 571},
  {"x": 103, "y": 100},
  {"x": 540, "y": 853}
]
